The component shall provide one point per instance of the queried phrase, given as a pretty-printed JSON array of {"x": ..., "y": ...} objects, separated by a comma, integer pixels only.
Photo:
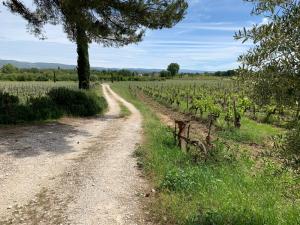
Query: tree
[
  {"x": 277, "y": 39},
  {"x": 165, "y": 73},
  {"x": 110, "y": 22},
  {"x": 273, "y": 64},
  {"x": 173, "y": 68},
  {"x": 9, "y": 68}
]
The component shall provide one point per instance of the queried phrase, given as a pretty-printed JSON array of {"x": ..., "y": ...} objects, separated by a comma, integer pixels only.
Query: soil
[{"x": 168, "y": 115}]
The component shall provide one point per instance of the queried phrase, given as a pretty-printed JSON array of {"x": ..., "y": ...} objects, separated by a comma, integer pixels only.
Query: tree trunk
[{"x": 83, "y": 64}]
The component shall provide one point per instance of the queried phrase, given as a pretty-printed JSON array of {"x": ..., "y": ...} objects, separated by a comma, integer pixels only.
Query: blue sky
[{"x": 202, "y": 41}]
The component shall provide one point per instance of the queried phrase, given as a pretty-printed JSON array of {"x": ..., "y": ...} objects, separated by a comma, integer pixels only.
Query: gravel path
[{"x": 75, "y": 171}]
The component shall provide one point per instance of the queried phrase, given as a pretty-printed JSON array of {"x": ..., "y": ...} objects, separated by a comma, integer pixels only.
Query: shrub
[
  {"x": 58, "y": 102},
  {"x": 42, "y": 78},
  {"x": 165, "y": 73},
  {"x": 42, "y": 108},
  {"x": 8, "y": 106},
  {"x": 9, "y": 68},
  {"x": 36, "y": 109},
  {"x": 7, "y": 100},
  {"x": 291, "y": 146},
  {"x": 77, "y": 103}
]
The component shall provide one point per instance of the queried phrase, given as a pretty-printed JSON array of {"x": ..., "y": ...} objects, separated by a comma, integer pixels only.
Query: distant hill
[{"x": 42, "y": 65}]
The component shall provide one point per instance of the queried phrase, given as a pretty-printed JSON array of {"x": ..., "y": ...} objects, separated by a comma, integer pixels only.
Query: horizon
[
  {"x": 203, "y": 41},
  {"x": 11, "y": 61}
]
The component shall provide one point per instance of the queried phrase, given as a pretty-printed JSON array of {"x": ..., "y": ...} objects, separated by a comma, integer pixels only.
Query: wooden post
[{"x": 182, "y": 132}]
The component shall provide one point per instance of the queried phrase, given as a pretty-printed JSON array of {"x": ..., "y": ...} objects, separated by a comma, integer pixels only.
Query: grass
[
  {"x": 225, "y": 190},
  {"x": 124, "y": 111},
  {"x": 250, "y": 132}
]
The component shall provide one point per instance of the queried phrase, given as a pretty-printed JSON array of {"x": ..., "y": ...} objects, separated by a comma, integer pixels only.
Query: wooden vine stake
[{"x": 182, "y": 133}]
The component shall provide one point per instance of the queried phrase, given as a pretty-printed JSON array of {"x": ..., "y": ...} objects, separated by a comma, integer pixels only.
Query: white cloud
[{"x": 264, "y": 21}]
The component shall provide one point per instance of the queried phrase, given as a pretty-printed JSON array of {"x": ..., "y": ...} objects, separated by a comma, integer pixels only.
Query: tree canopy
[
  {"x": 277, "y": 43},
  {"x": 273, "y": 64},
  {"x": 173, "y": 68},
  {"x": 9, "y": 68},
  {"x": 110, "y": 22}
]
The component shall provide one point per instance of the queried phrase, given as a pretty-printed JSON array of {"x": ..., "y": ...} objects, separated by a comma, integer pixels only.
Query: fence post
[{"x": 182, "y": 133}]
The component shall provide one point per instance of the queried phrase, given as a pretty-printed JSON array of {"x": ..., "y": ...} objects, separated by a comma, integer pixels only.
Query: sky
[{"x": 203, "y": 40}]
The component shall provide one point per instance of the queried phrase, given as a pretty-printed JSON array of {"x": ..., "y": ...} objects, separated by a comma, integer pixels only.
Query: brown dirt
[
  {"x": 168, "y": 116},
  {"x": 199, "y": 130},
  {"x": 75, "y": 171}
]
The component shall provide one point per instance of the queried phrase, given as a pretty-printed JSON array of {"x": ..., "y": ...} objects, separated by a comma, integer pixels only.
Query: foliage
[
  {"x": 56, "y": 75},
  {"x": 276, "y": 40},
  {"x": 173, "y": 68},
  {"x": 18, "y": 107},
  {"x": 77, "y": 103},
  {"x": 272, "y": 66},
  {"x": 111, "y": 23},
  {"x": 35, "y": 109},
  {"x": 9, "y": 68},
  {"x": 227, "y": 73},
  {"x": 27, "y": 90},
  {"x": 291, "y": 146},
  {"x": 221, "y": 98},
  {"x": 165, "y": 73}
]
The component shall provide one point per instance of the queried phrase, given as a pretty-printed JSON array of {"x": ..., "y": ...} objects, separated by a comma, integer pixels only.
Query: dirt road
[{"x": 75, "y": 171}]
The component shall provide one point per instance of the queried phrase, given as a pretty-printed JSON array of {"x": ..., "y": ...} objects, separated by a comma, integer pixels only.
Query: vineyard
[
  {"x": 229, "y": 111},
  {"x": 222, "y": 100},
  {"x": 27, "y": 90}
]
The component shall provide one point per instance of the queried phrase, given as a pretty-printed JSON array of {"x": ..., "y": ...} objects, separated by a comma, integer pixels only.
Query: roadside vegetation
[
  {"x": 232, "y": 186},
  {"x": 124, "y": 111},
  {"x": 43, "y": 101}
]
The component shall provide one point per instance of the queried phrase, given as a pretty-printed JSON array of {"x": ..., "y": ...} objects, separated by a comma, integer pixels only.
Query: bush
[
  {"x": 291, "y": 146},
  {"x": 165, "y": 73},
  {"x": 58, "y": 102},
  {"x": 42, "y": 108},
  {"x": 7, "y": 100},
  {"x": 77, "y": 103},
  {"x": 8, "y": 106},
  {"x": 36, "y": 109},
  {"x": 9, "y": 68},
  {"x": 41, "y": 78}
]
